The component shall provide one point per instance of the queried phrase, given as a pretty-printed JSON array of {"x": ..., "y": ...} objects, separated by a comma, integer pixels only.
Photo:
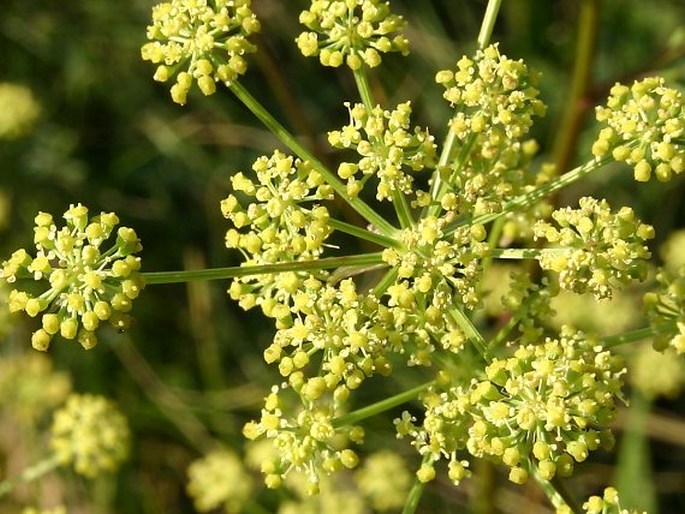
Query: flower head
[
  {"x": 308, "y": 442},
  {"x": 78, "y": 284},
  {"x": 435, "y": 267},
  {"x": 495, "y": 99},
  {"x": 388, "y": 148},
  {"x": 207, "y": 39},
  {"x": 643, "y": 125},
  {"x": 494, "y": 96},
  {"x": 219, "y": 480},
  {"x": 540, "y": 407},
  {"x": 353, "y": 32},
  {"x": 285, "y": 222},
  {"x": 596, "y": 249},
  {"x": 91, "y": 434}
]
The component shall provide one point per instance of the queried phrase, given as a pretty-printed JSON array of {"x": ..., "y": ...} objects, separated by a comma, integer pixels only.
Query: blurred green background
[{"x": 190, "y": 369}]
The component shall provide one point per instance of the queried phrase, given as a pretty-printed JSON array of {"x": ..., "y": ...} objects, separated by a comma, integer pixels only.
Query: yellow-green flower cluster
[
  {"x": 542, "y": 407},
  {"x": 495, "y": 97},
  {"x": 308, "y": 442},
  {"x": 82, "y": 284},
  {"x": 276, "y": 227},
  {"x": 18, "y": 110},
  {"x": 442, "y": 434},
  {"x": 530, "y": 304},
  {"x": 219, "y": 480},
  {"x": 384, "y": 479},
  {"x": 644, "y": 126},
  {"x": 200, "y": 40},
  {"x": 91, "y": 434},
  {"x": 608, "y": 503},
  {"x": 435, "y": 269},
  {"x": 595, "y": 249},
  {"x": 30, "y": 388},
  {"x": 387, "y": 145},
  {"x": 353, "y": 32},
  {"x": 343, "y": 335},
  {"x": 656, "y": 374},
  {"x": 666, "y": 308}
]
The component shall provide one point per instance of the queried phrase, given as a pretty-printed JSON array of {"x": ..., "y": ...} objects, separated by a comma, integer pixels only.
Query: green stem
[
  {"x": 437, "y": 186},
  {"x": 459, "y": 163},
  {"x": 558, "y": 496},
  {"x": 488, "y": 23},
  {"x": 364, "y": 89},
  {"x": 172, "y": 277},
  {"x": 384, "y": 283},
  {"x": 402, "y": 209},
  {"x": 504, "y": 332},
  {"x": 528, "y": 199},
  {"x": 416, "y": 491},
  {"x": 362, "y": 233},
  {"x": 291, "y": 142},
  {"x": 461, "y": 319},
  {"x": 29, "y": 475},
  {"x": 381, "y": 406},
  {"x": 637, "y": 335}
]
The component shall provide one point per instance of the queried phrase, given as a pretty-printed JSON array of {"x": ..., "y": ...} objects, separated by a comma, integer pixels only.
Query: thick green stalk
[
  {"x": 381, "y": 406},
  {"x": 398, "y": 199},
  {"x": 172, "y": 277},
  {"x": 439, "y": 187},
  {"x": 488, "y": 23},
  {"x": 291, "y": 142},
  {"x": 364, "y": 89}
]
